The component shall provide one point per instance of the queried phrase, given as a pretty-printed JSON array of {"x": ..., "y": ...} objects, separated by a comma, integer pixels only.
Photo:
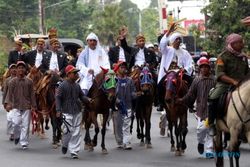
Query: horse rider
[
  {"x": 198, "y": 92},
  {"x": 69, "y": 107},
  {"x": 139, "y": 55},
  {"x": 231, "y": 68},
  {"x": 117, "y": 53},
  {"x": 173, "y": 57},
  {"x": 20, "y": 99},
  {"x": 35, "y": 57},
  {"x": 90, "y": 61},
  {"x": 56, "y": 61},
  {"x": 10, "y": 125},
  {"x": 17, "y": 54},
  {"x": 53, "y": 34}
]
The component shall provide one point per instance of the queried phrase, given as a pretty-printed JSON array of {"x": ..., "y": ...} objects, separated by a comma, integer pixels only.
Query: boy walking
[{"x": 125, "y": 93}]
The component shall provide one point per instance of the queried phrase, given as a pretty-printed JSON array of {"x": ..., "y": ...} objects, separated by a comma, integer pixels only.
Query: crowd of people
[{"x": 19, "y": 95}]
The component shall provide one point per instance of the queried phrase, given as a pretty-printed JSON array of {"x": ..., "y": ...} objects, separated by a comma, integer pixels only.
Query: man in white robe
[
  {"x": 90, "y": 61},
  {"x": 173, "y": 54}
]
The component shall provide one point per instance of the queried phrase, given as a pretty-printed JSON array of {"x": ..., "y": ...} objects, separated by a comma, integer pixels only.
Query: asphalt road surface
[{"x": 41, "y": 154}]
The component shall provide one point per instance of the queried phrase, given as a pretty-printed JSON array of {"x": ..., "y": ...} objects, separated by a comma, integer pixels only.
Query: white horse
[{"x": 236, "y": 122}]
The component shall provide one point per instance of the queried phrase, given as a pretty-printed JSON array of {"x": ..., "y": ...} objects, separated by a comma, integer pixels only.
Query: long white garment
[
  {"x": 97, "y": 58},
  {"x": 72, "y": 135},
  {"x": 21, "y": 121},
  {"x": 184, "y": 58},
  {"x": 203, "y": 137}
]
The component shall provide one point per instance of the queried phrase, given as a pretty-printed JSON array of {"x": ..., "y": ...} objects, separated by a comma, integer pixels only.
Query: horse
[
  {"x": 236, "y": 121},
  {"x": 102, "y": 93},
  {"x": 176, "y": 87},
  {"x": 143, "y": 104},
  {"x": 37, "y": 119},
  {"x": 45, "y": 94}
]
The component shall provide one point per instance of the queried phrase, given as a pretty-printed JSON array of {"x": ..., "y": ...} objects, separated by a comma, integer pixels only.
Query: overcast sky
[{"x": 142, "y": 3}]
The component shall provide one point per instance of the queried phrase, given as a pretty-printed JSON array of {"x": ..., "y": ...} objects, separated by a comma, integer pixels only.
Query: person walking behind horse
[
  {"x": 125, "y": 93},
  {"x": 20, "y": 99},
  {"x": 198, "y": 92},
  {"x": 231, "y": 68},
  {"x": 68, "y": 106},
  {"x": 10, "y": 125}
]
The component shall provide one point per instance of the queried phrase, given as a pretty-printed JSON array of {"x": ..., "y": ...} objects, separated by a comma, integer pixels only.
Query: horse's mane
[{"x": 99, "y": 79}]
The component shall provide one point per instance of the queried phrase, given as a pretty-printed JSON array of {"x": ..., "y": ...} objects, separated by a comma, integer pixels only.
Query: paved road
[{"x": 41, "y": 154}]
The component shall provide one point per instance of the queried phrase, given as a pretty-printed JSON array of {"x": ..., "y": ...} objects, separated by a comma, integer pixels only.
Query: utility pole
[{"x": 41, "y": 16}]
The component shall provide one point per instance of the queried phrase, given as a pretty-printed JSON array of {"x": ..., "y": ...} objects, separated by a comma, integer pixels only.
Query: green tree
[
  {"x": 150, "y": 24},
  {"x": 224, "y": 19}
]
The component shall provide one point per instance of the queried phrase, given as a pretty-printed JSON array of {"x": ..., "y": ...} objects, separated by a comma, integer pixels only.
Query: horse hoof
[
  {"x": 104, "y": 151},
  {"x": 91, "y": 149},
  {"x": 54, "y": 146},
  {"x": 43, "y": 136},
  {"x": 86, "y": 147},
  {"x": 142, "y": 143},
  {"x": 46, "y": 127},
  {"x": 148, "y": 146},
  {"x": 182, "y": 151},
  {"x": 58, "y": 144},
  {"x": 177, "y": 153},
  {"x": 172, "y": 149}
]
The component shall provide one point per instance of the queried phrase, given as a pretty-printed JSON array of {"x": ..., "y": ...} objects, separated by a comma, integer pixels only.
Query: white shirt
[
  {"x": 39, "y": 58},
  {"x": 121, "y": 55},
  {"x": 140, "y": 58},
  {"x": 53, "y": 62}
]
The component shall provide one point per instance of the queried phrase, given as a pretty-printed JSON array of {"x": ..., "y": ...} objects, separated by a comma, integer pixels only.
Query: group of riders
[{"x": 19, "y": 95}]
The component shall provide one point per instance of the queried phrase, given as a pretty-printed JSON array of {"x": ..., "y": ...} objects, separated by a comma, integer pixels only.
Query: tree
[{"x": 224, "y": 19}]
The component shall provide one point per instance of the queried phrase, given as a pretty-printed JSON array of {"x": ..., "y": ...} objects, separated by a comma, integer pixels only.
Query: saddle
[{"x": 223, "y": 103}]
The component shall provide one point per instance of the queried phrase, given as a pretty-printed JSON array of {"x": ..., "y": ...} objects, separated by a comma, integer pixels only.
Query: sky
[{"x": 142, "y": 4}]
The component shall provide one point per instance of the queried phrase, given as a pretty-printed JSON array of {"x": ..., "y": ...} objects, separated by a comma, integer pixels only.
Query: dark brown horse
[
  {"x": 102, "y": 94},
  {"x": 176, "y": 87},
  {"x": 45, "y": 95},
  {"x": 143, "y": 104},
  {"x": 38, "y": 119}
]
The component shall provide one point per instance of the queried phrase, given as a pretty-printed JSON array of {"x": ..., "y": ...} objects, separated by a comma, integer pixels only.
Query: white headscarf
[{"x": 174, "y": 36}]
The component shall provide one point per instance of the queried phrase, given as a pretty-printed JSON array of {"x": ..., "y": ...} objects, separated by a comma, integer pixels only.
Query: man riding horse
[{"x": 231, "y": 68}]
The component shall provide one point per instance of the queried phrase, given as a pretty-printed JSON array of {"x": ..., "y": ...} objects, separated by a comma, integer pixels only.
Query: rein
[
  {"x": 68, "y": 125},
  {"x": 244, "y": 106}
]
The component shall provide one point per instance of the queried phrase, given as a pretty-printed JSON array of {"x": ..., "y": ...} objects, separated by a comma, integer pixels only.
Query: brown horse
[
  {"x": 143, "y": 104},
  {"x": 102, "y": 98},
  {"x": 176, "y": 87},
  {"x": 38, "y": 119},
  {"x": 236, "y": 121}
]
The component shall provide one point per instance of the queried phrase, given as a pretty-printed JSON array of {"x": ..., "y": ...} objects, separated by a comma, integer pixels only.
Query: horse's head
[
  {"x": 146, "y": 80},
  {"x": 135, "y": 75},
  {"x": 109, "y": 84},
  {"x": 173, "y": 84}
]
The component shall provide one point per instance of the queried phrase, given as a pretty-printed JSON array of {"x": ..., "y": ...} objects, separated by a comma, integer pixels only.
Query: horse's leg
[
  {"x": 95, "y": 122},
  {"x": 148, "y": 127},
  {"x": 47, "y": 122},
  {"x": 142, "y": 130},
  {"x": 178, "y": 139},
  {"x": 184, "y": 132},
  {"x": 170, "y": 126},
  {"x": 233, "y": 148},
  {"x": 103, "y": 131},
  {"x": 219, "y": 160}
]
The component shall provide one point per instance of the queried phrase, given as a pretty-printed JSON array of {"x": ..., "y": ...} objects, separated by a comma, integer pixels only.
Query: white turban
[
  {"x": 92, "y": 36},
  {"x": 174, "y": 36}
]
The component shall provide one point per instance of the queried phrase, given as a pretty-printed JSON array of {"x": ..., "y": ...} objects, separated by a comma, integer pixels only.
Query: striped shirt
[
  {"x": 199, "y": 91},
  {"x": 68, "y": 98}
]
